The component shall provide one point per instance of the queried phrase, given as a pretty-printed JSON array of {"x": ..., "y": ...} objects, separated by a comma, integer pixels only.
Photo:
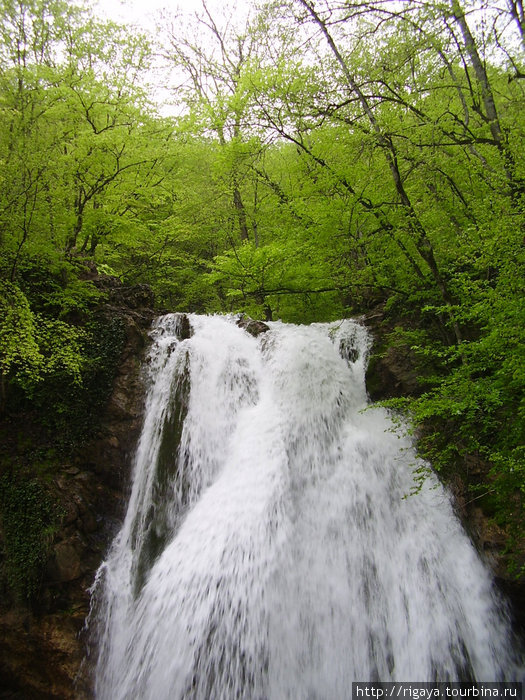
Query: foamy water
[{"x": 268, "y": 549}]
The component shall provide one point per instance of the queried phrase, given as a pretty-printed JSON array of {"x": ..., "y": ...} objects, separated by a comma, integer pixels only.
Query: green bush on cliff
[
  {"x": 20, "y": 358},
  {"x": 71, "y": 410},
  {"x": 472, "y": 409},
  {"x": 58, "y": 354},
  {"x": 34, "y": 346}
]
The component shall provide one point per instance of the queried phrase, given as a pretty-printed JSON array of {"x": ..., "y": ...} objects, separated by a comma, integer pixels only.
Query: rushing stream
[{"x": 268, "y": 550}]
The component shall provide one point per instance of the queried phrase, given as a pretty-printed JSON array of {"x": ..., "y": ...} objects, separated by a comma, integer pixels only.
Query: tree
[
  {"x": 71, "y": 117},
  {"x": 212, "y": 58}
]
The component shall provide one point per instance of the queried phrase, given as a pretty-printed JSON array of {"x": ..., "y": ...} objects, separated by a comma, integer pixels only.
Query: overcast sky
[
  {"x": 142, "y": 12},
  {"x": 145, "y": 14}
]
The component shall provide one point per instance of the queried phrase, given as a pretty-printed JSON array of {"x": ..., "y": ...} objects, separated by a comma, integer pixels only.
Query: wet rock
[
  {"x": 138, "y": 296},
  {"x": 391, "y": 369},
  {"x": 40, "y": 657},
  {"x": 70, "y": 512},
  {"x": 391, "y": 374},
  {"x": 67, "y": 565},
  {"x": 184, "y": 330},
  {"x": 251, "y": 326}
]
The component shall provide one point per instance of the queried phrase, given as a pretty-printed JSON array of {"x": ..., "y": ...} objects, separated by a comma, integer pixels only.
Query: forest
[{"x": 308, "y": 160}]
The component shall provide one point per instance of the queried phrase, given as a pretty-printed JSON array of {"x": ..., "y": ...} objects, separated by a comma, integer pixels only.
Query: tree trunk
[
  {"x": 241, "y": 213},
  {"x": 421, "y": 239}
]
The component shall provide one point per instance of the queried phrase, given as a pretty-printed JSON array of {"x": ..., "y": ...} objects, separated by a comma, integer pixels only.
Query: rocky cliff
[{"x": 42, "y": 646}]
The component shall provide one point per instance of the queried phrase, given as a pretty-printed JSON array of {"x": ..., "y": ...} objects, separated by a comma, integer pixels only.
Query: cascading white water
[{"x": 268, "y": 549}]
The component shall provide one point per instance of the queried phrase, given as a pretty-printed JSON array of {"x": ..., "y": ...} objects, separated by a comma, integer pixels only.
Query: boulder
[
  {"x": 251, "y": 326},
  {"x": 184, "y": 330}
]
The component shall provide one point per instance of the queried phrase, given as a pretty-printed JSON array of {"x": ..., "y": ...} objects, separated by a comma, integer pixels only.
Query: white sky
[
  {"x": 142, "y": 12},
  {"x": 145, "y": 14}
]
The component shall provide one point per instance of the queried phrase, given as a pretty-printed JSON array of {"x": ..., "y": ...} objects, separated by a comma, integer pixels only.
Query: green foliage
[
  {"x": 283, "y": 279},
  {"x": 474, "y": 403},
  {"x": 61, "y": 347},
  {"x": 71, "y": 403},
  {"x": 63, "y": 369},
  {"x": 20, "y": 356},
  {"x": 35, "y": 348},
  {"x": 29, "y": 519}
]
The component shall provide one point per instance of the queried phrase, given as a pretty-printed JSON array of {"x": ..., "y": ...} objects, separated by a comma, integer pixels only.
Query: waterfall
[{"x": 269, "y": 549}]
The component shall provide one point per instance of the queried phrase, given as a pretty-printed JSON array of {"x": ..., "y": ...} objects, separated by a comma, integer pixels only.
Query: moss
[{"x": 29, "y": 518}]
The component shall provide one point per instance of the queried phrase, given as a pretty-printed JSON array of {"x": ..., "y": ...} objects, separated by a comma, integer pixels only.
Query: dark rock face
[
  {"x": 252, "y": 327},
  {"x": 391, "y": 372},
  {"x": 40, "y": 657},
  {"x": 41, "y": 650},
  {"x": 136, "y": 297},
  {"x": 391, "y": 375},
  {"x": 185, "y": 329}
]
